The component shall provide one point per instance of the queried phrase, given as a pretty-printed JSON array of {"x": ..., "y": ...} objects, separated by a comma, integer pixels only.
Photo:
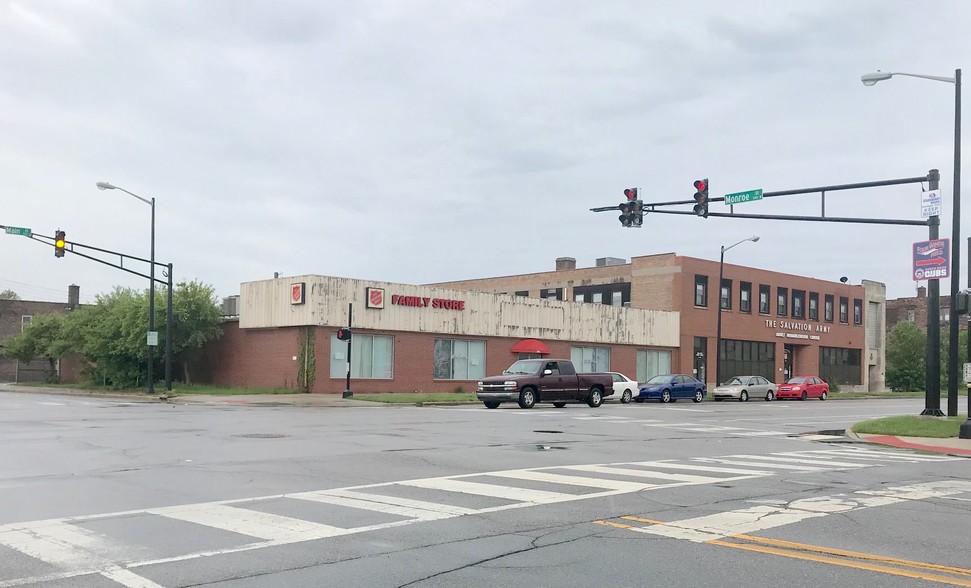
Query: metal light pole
[
  {"x": 953, "y": 316},
  {"x": 718, "y": 329},
  {"x": 151, "y": 281}
]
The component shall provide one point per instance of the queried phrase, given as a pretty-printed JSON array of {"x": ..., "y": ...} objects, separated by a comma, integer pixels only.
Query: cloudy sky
[{"x": 421, "y": 141}]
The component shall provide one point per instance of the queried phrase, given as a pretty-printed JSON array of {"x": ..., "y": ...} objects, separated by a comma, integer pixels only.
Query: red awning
[{"x": 530, "y": 346}]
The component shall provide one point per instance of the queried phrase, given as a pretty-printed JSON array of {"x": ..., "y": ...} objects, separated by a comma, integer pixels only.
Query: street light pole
[
  {"x": 151, "y": 281},
  {"x": 718, "y": 329},
  {"x": 953, "y": 316}
]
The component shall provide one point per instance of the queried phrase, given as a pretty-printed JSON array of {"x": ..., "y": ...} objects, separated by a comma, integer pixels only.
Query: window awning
[{"x": 530, "y": 346}]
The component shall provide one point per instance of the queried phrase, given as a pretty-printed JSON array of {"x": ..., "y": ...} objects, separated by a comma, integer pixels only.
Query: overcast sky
[{"x": 417, "y": 141}]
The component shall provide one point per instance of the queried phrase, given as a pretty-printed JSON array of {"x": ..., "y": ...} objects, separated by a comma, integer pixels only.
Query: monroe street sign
[{"x": 740, "y": 197}]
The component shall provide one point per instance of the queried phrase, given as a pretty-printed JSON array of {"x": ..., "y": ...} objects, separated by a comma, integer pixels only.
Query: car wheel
[
  {"x": 491, "y": 403},
  {"x": 559, "y": 404},
  {"x": 626, "y": 396},
  {"x": 527, "y": 398},
  {"x": 699, "y": 395},
  {"x": 743, "y": 397},
  {"x": 596, "y": 397},
  {"x": 666, "y": 396},
  {"x": 823, "y": 396},
  {"x": 769, "y": 396},
  {"x": 804, "y": 395}
]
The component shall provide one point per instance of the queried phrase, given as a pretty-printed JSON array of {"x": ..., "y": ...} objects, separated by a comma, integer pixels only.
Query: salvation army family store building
[{"x": 425, "y": 338}]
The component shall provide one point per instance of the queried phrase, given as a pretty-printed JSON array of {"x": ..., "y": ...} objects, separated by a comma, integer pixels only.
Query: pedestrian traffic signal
[
  {"x": 344, "y": 334},
  {"x": 59, "y": 243},
  {"x": 701, "y": 197}
]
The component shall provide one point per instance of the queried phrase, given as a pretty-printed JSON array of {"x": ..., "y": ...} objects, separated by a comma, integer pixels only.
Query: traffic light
[
  {"x": 59, "y": 243},
  {"x": 344, "y": 334},
  {"x": 701, "y": 197},
  {"x": 632, "y": 211}
]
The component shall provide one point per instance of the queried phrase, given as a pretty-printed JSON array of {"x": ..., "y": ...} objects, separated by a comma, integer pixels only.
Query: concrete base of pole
[
  {"x": 932, "y": 412},
  {"x": 965, "y": 431},
  {"x": 347, "y": 394}
]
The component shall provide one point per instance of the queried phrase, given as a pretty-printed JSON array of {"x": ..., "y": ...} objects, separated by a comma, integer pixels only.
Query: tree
[
  {"x": 906, "y": 349},
  {"x": 44, "y": 337},
  {"x": 9, "y": 295},
  {"x": 197, "y": 320}
]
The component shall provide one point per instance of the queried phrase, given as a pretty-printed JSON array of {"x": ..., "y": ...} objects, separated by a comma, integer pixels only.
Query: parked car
[
  {"x": 529, "y": 381},
  {"x": 624, "y": 388},
  {"x": 803, "y": 387},
  {"x": 742, "y": 388},
  {"x": 670, "y": 387}
]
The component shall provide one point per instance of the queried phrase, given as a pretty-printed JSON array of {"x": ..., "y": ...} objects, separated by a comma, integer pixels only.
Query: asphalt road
[{"x": 108, "y": 492}]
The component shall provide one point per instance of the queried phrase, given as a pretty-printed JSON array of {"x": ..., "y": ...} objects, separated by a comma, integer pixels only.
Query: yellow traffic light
[{"x": 59, "y": 242}]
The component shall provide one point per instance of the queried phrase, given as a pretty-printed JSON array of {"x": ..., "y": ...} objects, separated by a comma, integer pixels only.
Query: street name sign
[
  {"x": 740, "y": 197},
  {"x": 932, "y": 259},
  {"x": 18, "y": 231}
]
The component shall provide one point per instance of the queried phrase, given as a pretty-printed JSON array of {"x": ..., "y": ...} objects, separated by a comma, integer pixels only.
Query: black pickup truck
[{"x": 529, "y": 381}]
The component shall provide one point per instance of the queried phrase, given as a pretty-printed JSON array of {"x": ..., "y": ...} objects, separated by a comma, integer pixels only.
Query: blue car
[{"x": 670, "y": 387}]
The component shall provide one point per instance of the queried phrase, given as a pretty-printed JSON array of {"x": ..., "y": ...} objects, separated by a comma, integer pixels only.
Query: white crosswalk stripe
[{"x": 74, "y": 551}]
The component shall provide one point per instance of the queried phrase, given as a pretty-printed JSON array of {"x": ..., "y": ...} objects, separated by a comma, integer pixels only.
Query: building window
[
  {"x": 25, "y": 322},
  {"x": 616, "y": 298},
  {"x": 912, "y": 315},
  {"x": 814, "y": 306},
  {"x": 844, "y": 309},
  {"x": 598, "y": 297},
  {"x": 701, "y": 290},
  {"x": 763, "y": 299},
  {"x": 798, "y": 304},
  {"x": 590, "y": 359},
  {"x": 782, "y": 301},
  {"x": 522, "y": 293},
  {"x": 652, "y": 362},
  {"x": 554, "y": 293},
  {"x": 745, "y": 297},
  {"x": 725, "y": 297},
  {"x": 840, "y": 366},
  {"x": 372, "y": 356},
  {"x": 614, "y": 293},
  {"x": 747, "y": 357},
  {"x": 456, "y": 359},
  {"x": 828, "y": 309},
  {"x": 578, "y": 297},
  {"x": 857, "y": 311}
]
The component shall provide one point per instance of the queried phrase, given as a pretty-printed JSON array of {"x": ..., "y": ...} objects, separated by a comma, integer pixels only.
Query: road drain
[{"x": 260, "y": 436}]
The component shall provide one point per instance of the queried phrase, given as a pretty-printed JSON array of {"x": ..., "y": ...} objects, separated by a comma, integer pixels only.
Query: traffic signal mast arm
[{"x": 122, "y": 256}]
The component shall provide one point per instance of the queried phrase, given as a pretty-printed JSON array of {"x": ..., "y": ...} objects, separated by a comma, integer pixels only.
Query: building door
[
  {"x": 700, "y": 357},
  {"x": 787, "y": 356}
]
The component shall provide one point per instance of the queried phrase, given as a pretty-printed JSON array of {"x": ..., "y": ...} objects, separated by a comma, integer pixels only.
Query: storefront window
[
  {"x": 456, "y": 359},
  {"x": 372, "y": 356},
  {"x": 590, "y": 359},
  {"x": 652, "y": 362}
]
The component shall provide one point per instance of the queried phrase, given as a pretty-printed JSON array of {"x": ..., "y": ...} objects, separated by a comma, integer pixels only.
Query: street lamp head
[
  {"x": 872, "y": 78},
  {"x": 754, "y": 238},
  {"x": 105, "y": 186}
]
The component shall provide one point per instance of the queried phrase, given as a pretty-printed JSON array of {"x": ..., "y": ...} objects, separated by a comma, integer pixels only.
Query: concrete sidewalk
[{"x": 949, "y": 445}]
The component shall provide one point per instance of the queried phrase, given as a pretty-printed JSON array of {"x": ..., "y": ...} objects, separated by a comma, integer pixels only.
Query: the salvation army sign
[
  {"x": 297, "y": 290},
  {"x": 375, "y": 297}
]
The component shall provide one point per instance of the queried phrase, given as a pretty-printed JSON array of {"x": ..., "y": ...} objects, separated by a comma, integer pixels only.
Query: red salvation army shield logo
[
  {"x": 296, "y": 293},
  {"x": 375, "y": 297}
]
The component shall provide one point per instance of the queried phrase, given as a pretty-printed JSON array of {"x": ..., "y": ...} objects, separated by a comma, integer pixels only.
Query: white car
[
  {"x": 744, "y": 387},
  {"x": 624, "y": 388}
]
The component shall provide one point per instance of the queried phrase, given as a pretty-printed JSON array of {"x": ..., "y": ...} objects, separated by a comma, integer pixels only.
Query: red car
[{"x": 803, "y": 387}]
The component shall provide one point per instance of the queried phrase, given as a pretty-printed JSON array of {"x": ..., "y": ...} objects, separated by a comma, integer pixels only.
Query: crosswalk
[{"x": 84, "y": 545}]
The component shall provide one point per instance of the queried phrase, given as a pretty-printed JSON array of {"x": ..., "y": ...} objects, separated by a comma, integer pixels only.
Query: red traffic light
[
  {"x": 344, "y": 334},
  {"x": 631, "y": 193},
  {"x": 701, "y": 185}
]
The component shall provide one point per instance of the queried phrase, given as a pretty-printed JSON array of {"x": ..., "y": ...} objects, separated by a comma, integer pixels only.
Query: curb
[{"x": 894, "y": 441}]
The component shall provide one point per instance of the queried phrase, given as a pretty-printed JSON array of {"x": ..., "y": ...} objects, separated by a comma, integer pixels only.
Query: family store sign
[
  {"x": 793, "y": 326},
  {"x": 375, "y": 299}
]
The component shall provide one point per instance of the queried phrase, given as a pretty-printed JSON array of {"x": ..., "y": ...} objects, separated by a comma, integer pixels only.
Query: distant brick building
[
  {"x": 914, "y": 310},
  {"x": 15, "y": 316}
]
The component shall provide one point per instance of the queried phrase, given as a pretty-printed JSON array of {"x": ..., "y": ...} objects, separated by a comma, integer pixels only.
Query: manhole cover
[{"x": 260, "y": 436}]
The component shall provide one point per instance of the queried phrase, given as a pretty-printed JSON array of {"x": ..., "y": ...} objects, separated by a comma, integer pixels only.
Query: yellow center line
[
  {"x": 844, "y": 563},
  {"x": 639, "y": 520},
  {"x": 853, "y": 554}
]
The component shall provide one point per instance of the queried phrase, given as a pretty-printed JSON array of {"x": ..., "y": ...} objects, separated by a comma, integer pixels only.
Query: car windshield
[
  {"x": 524, "y": 367},
  {"x": 659, "y": 380},
  {"x": 796, "y": 381},
  {"x": 736, "y": 381}
]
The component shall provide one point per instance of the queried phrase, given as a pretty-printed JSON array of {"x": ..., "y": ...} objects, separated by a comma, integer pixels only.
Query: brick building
[
  {"x": 15, "y": 316},
  {"x": 773, "y": 324},
  {"x": 914, "y": 309},
  {"x": 431, "y": 339}
]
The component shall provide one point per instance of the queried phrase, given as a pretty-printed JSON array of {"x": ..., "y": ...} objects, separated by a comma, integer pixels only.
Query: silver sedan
[{"x": 744, "y": 387}]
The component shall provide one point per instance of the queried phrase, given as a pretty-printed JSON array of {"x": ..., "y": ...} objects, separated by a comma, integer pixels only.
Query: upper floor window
[
  {"x": 763, "y": 299},
  {"x": 798, "y": 304},
  {"x": 844, "y": 309},
  {"x": 701, "y": 290},
  {"x": 857, "y": 311},
  {"x": 25, "y": 322},
  {"x": 725, "y": 297},
  {"x": 814, "y": 306},
  {"x": 745, "y": 297},
  {"x": 828, "y": 308},
  {"x": 782, "y": 301}
]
